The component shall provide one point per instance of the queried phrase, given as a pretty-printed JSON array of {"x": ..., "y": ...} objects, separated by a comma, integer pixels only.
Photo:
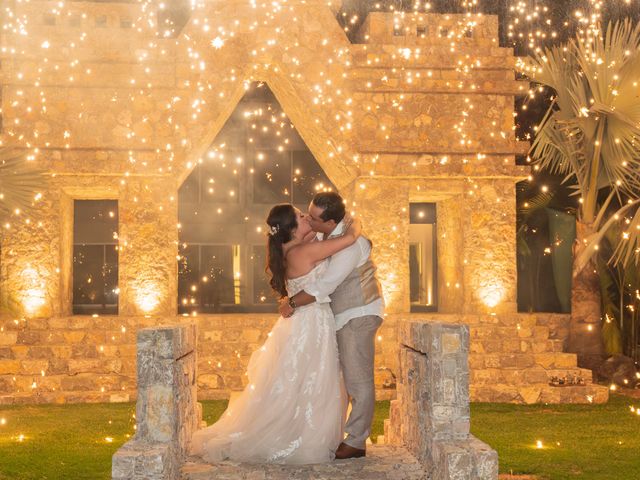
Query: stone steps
[
  {"x": 486, "y": 332},
  {"x": 523, "y": 345},
  {"x": 95, "y": 356},
  {"x": 383, "y": 462},
  {"x": 69, "y": 396},
  {"x": 61, "y": 337},
  {"x": 534, "y": 375},
  {"x": 539, "y": 393},
  {"x": 38, "y": 384},
  {"x": 522, "y": 360}
]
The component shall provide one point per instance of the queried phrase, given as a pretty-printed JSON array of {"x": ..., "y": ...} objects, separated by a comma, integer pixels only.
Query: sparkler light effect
[{"x": 32, "y": 29}]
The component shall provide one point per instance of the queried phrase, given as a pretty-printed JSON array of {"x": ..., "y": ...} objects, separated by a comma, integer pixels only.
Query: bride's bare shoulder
[{"x": 297, "y": 262}]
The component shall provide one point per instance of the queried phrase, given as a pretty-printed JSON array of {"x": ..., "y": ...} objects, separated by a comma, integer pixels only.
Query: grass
[
  {"x": 597, "y": 442},
  {"x": 579, "y": 441}
]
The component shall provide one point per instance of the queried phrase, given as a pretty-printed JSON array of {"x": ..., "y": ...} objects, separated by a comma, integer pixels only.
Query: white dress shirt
[{"x": 341, "y": 264}]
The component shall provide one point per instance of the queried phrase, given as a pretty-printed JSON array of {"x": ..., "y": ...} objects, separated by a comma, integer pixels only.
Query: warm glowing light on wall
[
  {"x": 33, "y": 297},
  {"x": 492, "y": 294},
  {"x": 147, "y": 297}
]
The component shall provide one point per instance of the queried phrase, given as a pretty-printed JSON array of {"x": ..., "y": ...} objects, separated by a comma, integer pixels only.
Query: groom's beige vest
[{"x": 360, "y": 288}]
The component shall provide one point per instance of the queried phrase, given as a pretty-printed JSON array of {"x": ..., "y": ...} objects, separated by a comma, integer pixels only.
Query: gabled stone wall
[{"x": 122, "y": 114}]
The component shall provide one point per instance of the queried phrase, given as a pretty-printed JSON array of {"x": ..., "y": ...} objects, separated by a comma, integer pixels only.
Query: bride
[{"x": 292, "y": 410}]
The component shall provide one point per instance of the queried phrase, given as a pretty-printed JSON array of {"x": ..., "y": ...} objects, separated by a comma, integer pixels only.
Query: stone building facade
[{"x": 420, "y": 109}]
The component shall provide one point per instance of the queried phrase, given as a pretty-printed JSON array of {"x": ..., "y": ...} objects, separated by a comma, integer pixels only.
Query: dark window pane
[
  {"x": 95, "y": 256},
  {"x": 262, "y": 292},
  {"x": 95, "y": 221},
  {"x": 414, "y": 272},
  {"x": 272, "y": 177},
  {"x": 220, "y": 175},
  {"x": 110, "y": 272},
  {"x": 217, "y": 268},
  {"x": 87, "y": 279},
  {"x": 308, "y": 177},
  {"x": 188, "y": 274}
]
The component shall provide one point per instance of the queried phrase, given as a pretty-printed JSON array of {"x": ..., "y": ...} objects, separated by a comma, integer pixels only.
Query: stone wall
[
  {"x": 92, "y": 359},
  {"x": 401, "y": 117},
  {"x": 399, "y": 114},
  {"x": 431, "y": 416}
]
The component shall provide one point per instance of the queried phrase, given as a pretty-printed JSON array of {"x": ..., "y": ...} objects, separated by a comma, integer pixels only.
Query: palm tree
[
  {"x": 20, "y": 182},
  {"x": 590, "y": 135}
]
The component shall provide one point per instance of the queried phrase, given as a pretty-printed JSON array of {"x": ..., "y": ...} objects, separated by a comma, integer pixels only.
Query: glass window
[
  {"x": 95, "y": 257},
  {"x": 422, "y": 257},
  {"x": 262, "y": 293},
  {"x": 257, "y": 160},
  {"x": 272, "y": 177}
]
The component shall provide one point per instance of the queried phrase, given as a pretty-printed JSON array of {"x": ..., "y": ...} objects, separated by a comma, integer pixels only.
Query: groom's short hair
[{"x": 332, "y": 206}]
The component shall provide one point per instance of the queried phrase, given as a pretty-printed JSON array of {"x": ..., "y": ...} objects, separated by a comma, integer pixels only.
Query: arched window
[{"x": 257, "y": 160}]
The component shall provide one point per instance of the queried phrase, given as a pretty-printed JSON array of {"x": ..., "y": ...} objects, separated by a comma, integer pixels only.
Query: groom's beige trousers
[{"x": 356, "y": 345}]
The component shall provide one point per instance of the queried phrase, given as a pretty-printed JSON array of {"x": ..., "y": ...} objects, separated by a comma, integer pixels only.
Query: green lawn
[
  {"x": 579, "y": 441},
  {"x": 595, "y": 442}
]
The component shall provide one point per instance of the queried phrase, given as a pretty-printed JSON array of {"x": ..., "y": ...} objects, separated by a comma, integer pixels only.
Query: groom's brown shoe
[{"x": 347, "y": 451}]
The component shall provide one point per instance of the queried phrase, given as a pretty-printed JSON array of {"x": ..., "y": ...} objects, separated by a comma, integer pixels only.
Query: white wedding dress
[{"x": 292, "y": 410}]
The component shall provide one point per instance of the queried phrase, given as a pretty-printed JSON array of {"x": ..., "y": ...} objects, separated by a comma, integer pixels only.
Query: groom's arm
[{"x": 340, "y": 265}]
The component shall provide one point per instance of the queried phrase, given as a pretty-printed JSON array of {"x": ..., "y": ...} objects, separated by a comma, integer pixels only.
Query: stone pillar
[
  {"x": 386, "y": 223},
  {"x": 450, "y": 225},
  {"x": 29, "y": 283},
  {"x": 489, "y": 247},
  {"x": 167, "y": 412},
  {"x": 431, "y": 414},
  {"x": 148, "y": 274}
]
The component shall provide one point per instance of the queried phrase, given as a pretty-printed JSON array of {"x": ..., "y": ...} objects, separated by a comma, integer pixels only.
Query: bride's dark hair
[{"x": 282, "y": 221}]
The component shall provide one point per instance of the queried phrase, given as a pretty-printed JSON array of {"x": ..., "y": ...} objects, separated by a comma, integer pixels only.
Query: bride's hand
[{"x": 354, "y": 227}]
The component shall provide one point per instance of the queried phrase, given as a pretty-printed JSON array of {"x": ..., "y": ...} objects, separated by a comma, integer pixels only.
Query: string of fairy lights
[{"x": 25, "y": 25}]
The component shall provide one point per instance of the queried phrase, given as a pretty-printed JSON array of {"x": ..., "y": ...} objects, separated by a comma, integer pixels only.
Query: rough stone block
[
  {"x": 10, "y": 366},
  {"x": 144, "y": 461},
  {"x": 450, "y": 343},
  {"x": 8, "y": 338},
  {"x": 166, "y": 411}
]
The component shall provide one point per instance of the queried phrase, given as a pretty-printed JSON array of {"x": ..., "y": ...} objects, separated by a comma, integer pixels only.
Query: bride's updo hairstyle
[{"x": 282, "y": 222}]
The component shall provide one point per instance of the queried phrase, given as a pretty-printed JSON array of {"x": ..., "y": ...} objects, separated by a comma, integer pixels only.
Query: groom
[{"x": 352, "y": 288}]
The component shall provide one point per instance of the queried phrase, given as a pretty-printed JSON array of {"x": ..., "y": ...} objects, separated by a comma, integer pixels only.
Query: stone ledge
[
  {"x": 541, "y": 393},
  {"x": 167, "y": 413},
  {"x": 138, "y": 460},
  {"x": 470, "y": 459}
]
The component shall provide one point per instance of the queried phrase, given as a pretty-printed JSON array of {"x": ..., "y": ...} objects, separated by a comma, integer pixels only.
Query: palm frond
[
  {"x": 541, "y": 200},
  {"x": 627, "y": 248},
  {"x": 20, "y": 181},
  {"x": 610, "y": 66},
  {"x": 592, "y": 132},
  {"x": 627, "y": 251}
]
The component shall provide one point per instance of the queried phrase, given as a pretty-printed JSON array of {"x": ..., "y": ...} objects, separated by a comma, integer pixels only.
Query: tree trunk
[{"x": 585, "y": 328}]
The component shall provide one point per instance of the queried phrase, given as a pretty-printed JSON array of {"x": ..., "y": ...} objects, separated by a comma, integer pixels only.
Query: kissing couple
[{"x": 319, "y": 354}]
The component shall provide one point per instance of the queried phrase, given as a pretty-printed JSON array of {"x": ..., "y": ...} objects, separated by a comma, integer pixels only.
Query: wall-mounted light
[
  {"x": 492, "y": 294},
  {"x": 147, "y": 297},
  {"x": 33, "y": 296}
]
